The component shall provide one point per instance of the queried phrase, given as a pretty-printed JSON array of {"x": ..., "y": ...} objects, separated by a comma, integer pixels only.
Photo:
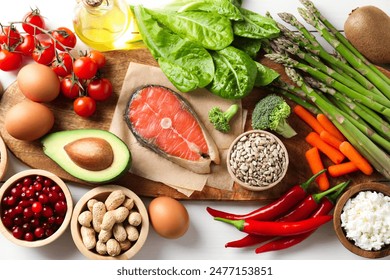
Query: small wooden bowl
[
  {"x": 351, "y": 193},
  {"x": 69, "y": 202},
  {"x": 3, "y": 159},
  {"x": 101, "y": 193},
  {"x": 259, "y": 187}
]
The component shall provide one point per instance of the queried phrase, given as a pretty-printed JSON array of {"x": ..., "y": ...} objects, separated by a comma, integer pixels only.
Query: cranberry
[
  {"x": 47, "y": 183},
  {"x": 28, "y": 212},
  {"x": 43, "y": 198},
  {"x": 17, "y": 232},
  {"x": 59, "y": 220},
  {"x": 47, "y": 211},
  {"x": 18, "y": 221},
  {"x": 51, "y": 220},
  {"x": 24, "y": 203},
  {"x": 36, "y": 207},
  {"x": 34, "y": 222},
  {"x": 18, "y": 209},
  {"x": 29, "y": 193},
  {"x": 38, "y": 186},
  {"x": 61, "y": 196},
  {"x": 27, "y": 181},
  {"x": 26, "y": 227},
  {"x": 7, "y": 221},
  {"x": 39, "y": 232},
  {"x": 29, "y": 236},
  {"x": 60, "y": 208},
  {"x": 53, "y": 197},
  {"x": 16, "y": 191}
]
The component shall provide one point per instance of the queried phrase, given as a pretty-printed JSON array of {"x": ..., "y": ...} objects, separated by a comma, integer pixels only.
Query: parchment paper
[{"x": 150, "y": 165}]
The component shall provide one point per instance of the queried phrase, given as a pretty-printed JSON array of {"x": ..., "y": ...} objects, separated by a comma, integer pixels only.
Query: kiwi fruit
[{"x": 368, "y": 30}]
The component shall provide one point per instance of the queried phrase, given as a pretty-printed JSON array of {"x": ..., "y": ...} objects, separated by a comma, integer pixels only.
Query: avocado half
[{"x": 54, "y": 146}]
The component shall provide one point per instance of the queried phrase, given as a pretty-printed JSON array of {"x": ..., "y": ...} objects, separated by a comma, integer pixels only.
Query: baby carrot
[
  {"x": 329, "y": 126},
  {"x": 330, "y": 139},
  {"x": 353, "y": 155},
  {"x": 315, "y": 163},
  {"x": 308, "y": 118},
  {"x": 314, "y": 139},
  {"x": 341, "y": 169}
]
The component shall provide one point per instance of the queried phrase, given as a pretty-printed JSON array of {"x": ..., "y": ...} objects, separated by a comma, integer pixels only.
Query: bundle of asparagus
[{"x": 351, "y": 91}]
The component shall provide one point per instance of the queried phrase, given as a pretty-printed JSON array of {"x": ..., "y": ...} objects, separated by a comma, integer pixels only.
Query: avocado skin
[{"x": 53, "y": 144}]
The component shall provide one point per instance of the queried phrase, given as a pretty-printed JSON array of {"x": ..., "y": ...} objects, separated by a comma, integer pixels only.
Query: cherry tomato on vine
[
  {"x": 10, "y": 60},
  {"x": 99, "y": 89},
  {"x": 62, "y": 64},
  {"x": 9, "y": 35},
  {"x": 31, "y": 21},
  {"x": 69, "y": 87},
  {"x": 84, "y": 106},
  {"x": 98, "y": 57},
  {"x": 64, "y": 36},
  {"x": 27, "y": 46},
  {"x": 85, "y": 68},
  {"x": 44, "y": 53}
]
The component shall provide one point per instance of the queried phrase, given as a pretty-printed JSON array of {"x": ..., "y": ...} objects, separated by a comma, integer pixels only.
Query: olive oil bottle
[{"x": 106, "y": 25}]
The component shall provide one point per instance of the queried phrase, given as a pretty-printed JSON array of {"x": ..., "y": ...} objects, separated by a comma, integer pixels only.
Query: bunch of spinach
[{"x": 208, "y": 43}]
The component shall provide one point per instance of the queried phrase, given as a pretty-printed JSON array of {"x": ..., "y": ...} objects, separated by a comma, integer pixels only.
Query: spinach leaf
[
  {"x": 248, "y": 45},
  {"x": 265, "y": 75},
  {"x": 186, "y": 64},
  {"x": 255, "y": 26},
  {"x": 210, "y": 30},
  {"x": 221, "y": 7},
  {"x": 235, "y": 73}
]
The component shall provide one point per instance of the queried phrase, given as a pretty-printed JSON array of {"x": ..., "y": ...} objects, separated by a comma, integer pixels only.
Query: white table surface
[{"x": 205, "y": 238}]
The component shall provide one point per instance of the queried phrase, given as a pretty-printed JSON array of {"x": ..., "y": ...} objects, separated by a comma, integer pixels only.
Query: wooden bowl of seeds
[{"x": 257, "y": 160}]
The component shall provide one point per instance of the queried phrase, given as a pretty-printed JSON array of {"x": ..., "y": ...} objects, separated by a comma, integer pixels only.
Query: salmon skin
[{"x": 163, "y": 121}]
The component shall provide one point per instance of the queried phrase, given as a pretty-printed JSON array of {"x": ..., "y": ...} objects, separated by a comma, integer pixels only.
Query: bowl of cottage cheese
[{"x": 362, "y": 219}]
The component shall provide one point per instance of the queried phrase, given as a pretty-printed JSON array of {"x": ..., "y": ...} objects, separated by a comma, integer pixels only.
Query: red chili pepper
[
  {"x": 273, "y": 210},
  {"x": 326, "y": 205},
  {"x": 277, "y": 228},
  {"x": 301, "y": 211}
]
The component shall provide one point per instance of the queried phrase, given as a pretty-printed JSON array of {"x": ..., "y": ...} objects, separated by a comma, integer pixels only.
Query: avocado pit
[{"x": 91, "y": 153}]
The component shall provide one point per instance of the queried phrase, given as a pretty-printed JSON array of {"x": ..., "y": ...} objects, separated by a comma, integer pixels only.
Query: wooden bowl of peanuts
[{"x": 109, "y": 223}]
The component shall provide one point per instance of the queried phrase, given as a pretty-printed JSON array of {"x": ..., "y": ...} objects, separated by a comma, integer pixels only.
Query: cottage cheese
[{"x": 366, "y": 220}]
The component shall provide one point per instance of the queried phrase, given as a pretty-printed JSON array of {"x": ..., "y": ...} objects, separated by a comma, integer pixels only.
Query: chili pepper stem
[
  {"x": 306, "y": 184},
  {"x": 318, "y": 196},
  {"x": 334, "y": 196},
  {"x": 239, "y": 224}
]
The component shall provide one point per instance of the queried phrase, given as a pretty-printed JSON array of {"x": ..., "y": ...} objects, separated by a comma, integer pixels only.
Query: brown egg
[
  {"x": 38, "y": 82},
  {"x": 168, "y": 217},
  {"x": 28, "y": 120}
]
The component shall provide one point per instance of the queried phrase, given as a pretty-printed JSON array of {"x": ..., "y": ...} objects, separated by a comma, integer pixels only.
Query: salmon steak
[{"x": 163, "y": 121}]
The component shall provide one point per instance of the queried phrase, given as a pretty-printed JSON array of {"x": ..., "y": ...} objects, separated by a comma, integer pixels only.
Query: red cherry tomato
[
  {"x": 27, "y": 46},
  {"x": 9, "y": 35},
  {"x": 32, "y": 21},
  {"x": 10, "y": 61},
  {"x": 98, "y": 57},
  {"x": 100, "y": 89},
  {"x": 62, "y": 64},
  {"x": 70, "y": 88},
  {"x": 85, "y": 68},
  {"x": 84, "y": 106},
  {"x": 44, "y": 53},
  {"x": 65, "y": 37}
]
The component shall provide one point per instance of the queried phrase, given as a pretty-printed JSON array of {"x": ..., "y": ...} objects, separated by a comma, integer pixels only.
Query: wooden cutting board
[{"x": 32, "y": 155}]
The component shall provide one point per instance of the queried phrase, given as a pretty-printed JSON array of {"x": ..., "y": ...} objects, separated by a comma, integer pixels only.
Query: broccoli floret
[
  {"x": 272, "y": 112},
  {"x": 221, "y": 119}
]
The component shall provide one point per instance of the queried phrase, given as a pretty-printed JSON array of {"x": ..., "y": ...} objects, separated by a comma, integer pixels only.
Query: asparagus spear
[
  {"x": 372, "y": 119},
  {"x": 317, "y": 49},
  {"x": 310, "y": 6},
  {"x": 356, "y": 62},
  {"x": 377, "y": 103},
  {"x": 379, "y": 159}
]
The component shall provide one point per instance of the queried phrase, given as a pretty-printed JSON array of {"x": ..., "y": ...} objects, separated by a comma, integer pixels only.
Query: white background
[{"x": 205, "y": 238}]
